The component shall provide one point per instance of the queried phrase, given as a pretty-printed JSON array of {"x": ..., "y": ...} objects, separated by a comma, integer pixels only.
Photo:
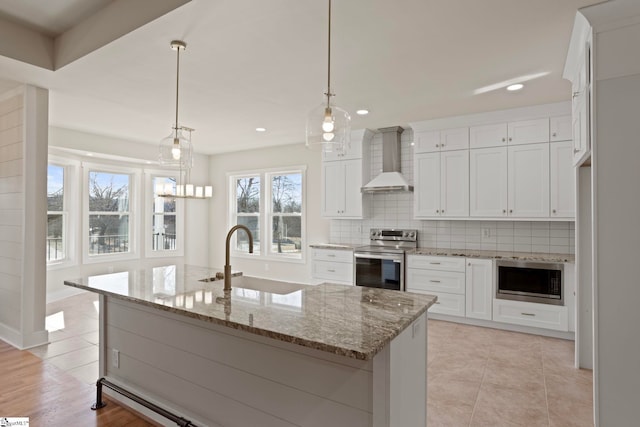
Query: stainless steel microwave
[{"x": 540, "y": 282}]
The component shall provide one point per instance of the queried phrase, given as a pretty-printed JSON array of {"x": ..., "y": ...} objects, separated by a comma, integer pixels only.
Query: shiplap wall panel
[
  {"x": 278, "y": 380},
  {"x": 11, "y": 208}
]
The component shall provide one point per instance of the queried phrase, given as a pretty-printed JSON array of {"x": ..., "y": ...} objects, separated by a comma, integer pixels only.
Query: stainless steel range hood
[{"x": 390, "y": 180}]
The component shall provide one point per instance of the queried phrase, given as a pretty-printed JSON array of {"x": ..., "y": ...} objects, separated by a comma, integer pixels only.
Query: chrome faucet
[{"x": 227, "y": 267}]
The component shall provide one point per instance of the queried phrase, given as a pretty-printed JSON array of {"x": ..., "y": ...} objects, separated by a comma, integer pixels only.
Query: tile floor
[{"x": 476, "y": 376}]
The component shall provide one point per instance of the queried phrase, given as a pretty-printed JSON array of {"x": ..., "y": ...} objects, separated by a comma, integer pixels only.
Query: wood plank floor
[{"x": 30, "y": 387}]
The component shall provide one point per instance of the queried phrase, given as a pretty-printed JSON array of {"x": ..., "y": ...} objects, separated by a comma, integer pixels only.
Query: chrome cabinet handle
[
  {"x": 510, "y": 139},
  {"x": 510, "y": 211},
  {"x": 528, "y": 314},
  {"x": 331, "y": 255},
  {"x": 504, "y": 211},
  {"x": 504, "y": 139},
  {"x": 576, "y": 150},
  {"x": 553, "y": 134},
  {"x": 331, "y": 271},
  {"x": 435, "y": 281},
  {"x": 437, "y": 145},
  {"x": 434, "y": 263},
  {"x": 554, "y": 211},
  {"x": 437, "y": 302}
]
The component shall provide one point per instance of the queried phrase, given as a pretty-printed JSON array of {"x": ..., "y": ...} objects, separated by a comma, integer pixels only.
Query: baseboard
[{"x": 21, "y": 341}]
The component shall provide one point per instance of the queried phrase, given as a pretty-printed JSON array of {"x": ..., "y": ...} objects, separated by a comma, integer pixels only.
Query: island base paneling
[{"x": 214, "y": 375}]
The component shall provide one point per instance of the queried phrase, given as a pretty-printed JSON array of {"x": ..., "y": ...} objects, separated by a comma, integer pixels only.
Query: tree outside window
[
  {"x": 109, "y": 226},
  {"x": 56, "y": 233}
]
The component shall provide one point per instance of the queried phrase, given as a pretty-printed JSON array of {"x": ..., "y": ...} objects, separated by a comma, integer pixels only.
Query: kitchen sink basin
[{"x": 265, "y": 285}]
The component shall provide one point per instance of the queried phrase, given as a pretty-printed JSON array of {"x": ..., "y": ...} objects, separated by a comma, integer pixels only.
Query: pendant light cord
[
  {"x": 329, "y": 94},
  {"x": 177, "y": 84}
]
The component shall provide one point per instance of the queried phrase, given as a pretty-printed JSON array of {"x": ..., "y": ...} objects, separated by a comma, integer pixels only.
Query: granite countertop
[
  {"x": 350, "y": 321},
  {"x": 468, "y": 253},
  {"x": 337, "y": 246}
]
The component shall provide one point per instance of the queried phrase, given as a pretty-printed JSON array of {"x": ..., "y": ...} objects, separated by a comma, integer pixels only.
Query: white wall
[
  {"x": 23, "y": 156},
  {"x": 317, "y": 228},
  {"x": 75, "y": 145}
]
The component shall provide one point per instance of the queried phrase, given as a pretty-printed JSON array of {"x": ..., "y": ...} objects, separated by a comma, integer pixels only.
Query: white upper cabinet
[
  {"x": 488, "y": 182},
  {"x": 488, "y": 135},
  {"x": 441, "y": 140},
  {"x": 562, "y": 185},
  {"x": 528, "y": 131},
  {"x": 512, "y": 133},
  {"x": 341, "y": 192},
  {"x": 560, "y": 128},
  {"x": 354, "y": 149},
  {"x": 528, "y": 186},
  {"x": 581, "y": 94},
  {"x": 442, "y": 184}
]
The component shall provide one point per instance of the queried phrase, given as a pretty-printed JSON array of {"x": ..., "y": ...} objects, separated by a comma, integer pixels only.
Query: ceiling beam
[{"x": 26, "y": 45}]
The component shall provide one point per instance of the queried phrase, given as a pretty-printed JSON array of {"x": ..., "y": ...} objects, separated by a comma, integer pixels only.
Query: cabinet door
[
  {"x": 353, "y": 151},
  {"x": 562, "y": 177},
  {"x": 479, "y": 288},
  {"x": 426, "y": 142},
  {"x": 488, "y": 135},
  {"x": 581, "y": 120},
  {"x": 528, "y": 180},
  {"x": 454, "y": 183},
  {"x": 488, "y": 182},
  {"x": 560, "y": 128},
  {"x": 333, "y": 195},
  {"x": 528, "y": 131},
  {"x": 426, "y": 194},
  {"x": 454, "y": 139},
  {"x": 352, "y": 184}
]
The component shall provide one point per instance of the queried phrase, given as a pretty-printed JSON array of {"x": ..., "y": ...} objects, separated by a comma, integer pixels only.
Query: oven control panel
[{"x": 393, "y": 234}]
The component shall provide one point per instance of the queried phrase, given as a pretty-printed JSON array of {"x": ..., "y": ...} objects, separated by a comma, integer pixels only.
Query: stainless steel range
[{"x": 381, "y": 264}]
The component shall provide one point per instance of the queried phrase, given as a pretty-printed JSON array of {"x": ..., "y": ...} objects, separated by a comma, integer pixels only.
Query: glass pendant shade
[
  {"x": 176, "y": 150},
  {"x": 328, "y": 129}
]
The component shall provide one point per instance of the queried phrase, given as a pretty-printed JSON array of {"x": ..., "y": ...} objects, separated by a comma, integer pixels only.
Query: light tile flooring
[{"x": 476, "y": 376}]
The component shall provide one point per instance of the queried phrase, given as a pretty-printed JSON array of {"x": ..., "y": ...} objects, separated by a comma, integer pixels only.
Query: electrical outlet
[
  {"x": 486, "y": 232},
  {"x": 115, "y": 358}
]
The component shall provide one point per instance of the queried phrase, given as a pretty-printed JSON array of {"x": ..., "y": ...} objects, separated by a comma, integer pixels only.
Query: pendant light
[
  {"x": 175, "y": 149},
  {"x": 328, "y": 126}
]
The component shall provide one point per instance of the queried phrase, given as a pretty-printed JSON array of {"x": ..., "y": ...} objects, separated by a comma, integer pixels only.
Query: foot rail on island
[{"x": 182, "y": 422}]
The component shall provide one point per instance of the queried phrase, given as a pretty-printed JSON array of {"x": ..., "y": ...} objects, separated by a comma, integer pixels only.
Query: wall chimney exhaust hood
[{"x": 390, "y": 180}]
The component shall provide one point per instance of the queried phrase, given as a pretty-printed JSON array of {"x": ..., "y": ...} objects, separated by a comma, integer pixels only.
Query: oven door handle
[{"x": 383, "y": 257}]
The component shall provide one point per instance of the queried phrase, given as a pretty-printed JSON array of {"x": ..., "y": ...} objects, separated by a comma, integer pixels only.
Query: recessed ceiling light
[
  {"x": 514, "y": 87},
  {"x": 362, "y": 112},
  {"x": 261, "y": 129},
  {"x": 90, "y": 154}
]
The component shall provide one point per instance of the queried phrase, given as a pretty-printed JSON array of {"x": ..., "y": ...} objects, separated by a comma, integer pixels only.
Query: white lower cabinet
[
  {"x": 531, "y": 314},
  {"x": 479, "y": 288},
  {"x": 332, "y": 265},
  {"x": 443, "y": 277}
]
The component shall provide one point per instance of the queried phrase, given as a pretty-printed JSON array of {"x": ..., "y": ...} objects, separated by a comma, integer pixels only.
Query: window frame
[
  {"x": 266, "y": 213},
  {"x": 69, "y": 210},
  {"x": 149, "y": 213},
  {"x": 133, "y": 213}
]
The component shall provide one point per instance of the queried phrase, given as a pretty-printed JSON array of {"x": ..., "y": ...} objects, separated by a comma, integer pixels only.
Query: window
[
  {"x": 109, "y": 215},
  {"x": 286, "y": 213},
  {"x": 271, "y": 205},
  {"x": 56, "y": 214},
  {"x": 164, "y": 223},
  {"x": 247, "y": 191}
]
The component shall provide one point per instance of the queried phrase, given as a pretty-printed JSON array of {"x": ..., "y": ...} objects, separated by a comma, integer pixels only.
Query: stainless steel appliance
[
  {"x": 381, "y": 264},
  {"x": 539, "y": 282}
]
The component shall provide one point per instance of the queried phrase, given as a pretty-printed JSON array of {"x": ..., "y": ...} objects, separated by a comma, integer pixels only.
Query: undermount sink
[{"x": 265, "y": 285}]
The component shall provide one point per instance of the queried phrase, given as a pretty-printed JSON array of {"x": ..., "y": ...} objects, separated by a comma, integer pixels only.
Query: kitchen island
[{"x": 266, "y": 353}]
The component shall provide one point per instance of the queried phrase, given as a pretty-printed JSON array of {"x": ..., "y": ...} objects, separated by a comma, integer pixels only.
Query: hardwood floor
[{"x": 31, "y": 387}]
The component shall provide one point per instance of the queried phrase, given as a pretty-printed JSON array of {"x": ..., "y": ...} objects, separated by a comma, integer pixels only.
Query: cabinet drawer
[
  {"x": 436, "y": 281},
  {"x": 451, "y": 304},
  {"x": 332, "y": 255},
  {"x": 531, "y": 314},
  {"x": 436, "y": 263},
  {"x": 330, "y": 270}
]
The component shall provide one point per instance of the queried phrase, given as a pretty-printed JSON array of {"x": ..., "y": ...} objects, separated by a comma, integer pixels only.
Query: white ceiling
[{"x": 263, "y": 63}]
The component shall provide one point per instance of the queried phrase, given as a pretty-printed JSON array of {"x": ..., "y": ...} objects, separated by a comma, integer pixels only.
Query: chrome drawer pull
[
  {"x": 528, "y": 314},
  {"x": 437, "y": 302},
  {"x": 331, "y": 271},
  {"x": 434, "y": 281},
  {"x": 434, "y": 263},
  {"x": 331, "y": 255}
]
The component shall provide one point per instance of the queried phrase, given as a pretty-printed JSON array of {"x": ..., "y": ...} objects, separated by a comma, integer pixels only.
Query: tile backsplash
[{"x": 395, "y": 210}]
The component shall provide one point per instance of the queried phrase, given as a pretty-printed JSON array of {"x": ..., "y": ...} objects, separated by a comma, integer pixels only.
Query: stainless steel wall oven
[{"x": 540, "y": 282}]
